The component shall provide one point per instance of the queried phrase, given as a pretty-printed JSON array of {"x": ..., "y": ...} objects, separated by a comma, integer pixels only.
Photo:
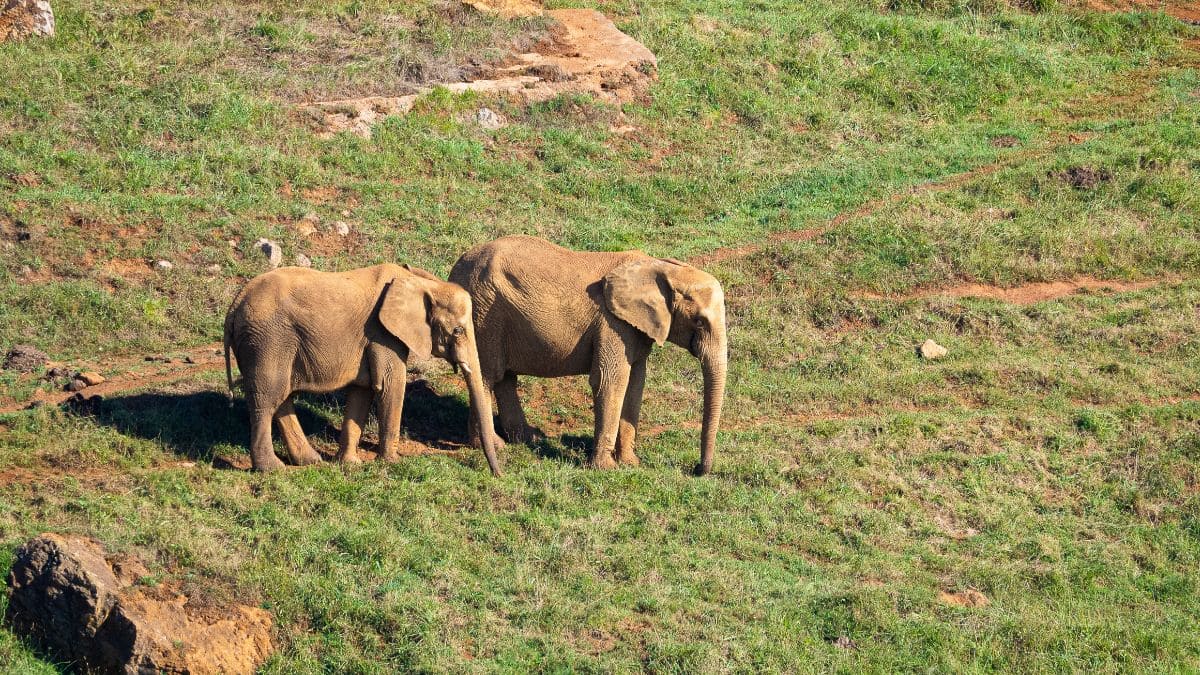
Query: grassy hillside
[{"x": 1050, "y": 462}]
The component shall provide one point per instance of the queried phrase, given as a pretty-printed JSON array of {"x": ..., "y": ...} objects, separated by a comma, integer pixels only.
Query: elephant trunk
[
  {"x": 714, "y": 362},
  {"x": 481, "y": 404}
]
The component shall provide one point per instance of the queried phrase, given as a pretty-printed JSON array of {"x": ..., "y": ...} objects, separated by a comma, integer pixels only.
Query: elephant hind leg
[
  {"x": 358, "y": 405},
  {"x": 512, "y": 415},
  {"x": 262, "y": 410},
  {"x": 298, "y": 447}
]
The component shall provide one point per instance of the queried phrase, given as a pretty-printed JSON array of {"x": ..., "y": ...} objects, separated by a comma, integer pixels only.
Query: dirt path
[{"x": 1026, "y": 294}]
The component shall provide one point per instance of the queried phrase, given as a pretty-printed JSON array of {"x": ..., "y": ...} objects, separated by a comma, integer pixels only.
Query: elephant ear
[
  {"x": 636, "y": 292},
  {"x": 421, "y": 273},
  {"x": 404, "y": 312}
]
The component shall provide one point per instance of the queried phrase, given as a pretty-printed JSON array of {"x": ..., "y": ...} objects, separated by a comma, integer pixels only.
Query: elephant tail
[{"x": 228, "y": 341}]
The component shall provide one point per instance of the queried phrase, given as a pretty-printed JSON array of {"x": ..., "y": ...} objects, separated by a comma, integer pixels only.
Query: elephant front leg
[
  {"x": 512, "y": 415},
  {"x": 391, "y": 405},
  {"x": 609, "y": 383},
  {"x": 358, "y": 405},
  {"x": 630, "y": 411}
]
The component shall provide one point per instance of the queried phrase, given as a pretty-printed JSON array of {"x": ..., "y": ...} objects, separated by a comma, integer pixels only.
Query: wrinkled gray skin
[
  {"x": 543, "y": 310},
  {"x": 295, "y": 329}
]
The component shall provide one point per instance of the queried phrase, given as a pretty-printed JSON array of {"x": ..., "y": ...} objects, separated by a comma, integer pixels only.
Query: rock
[
  {"x": 75, "y": 384},
  {"x": 508, "y": 9},
  {"x": 932, "y": 350},
  {"x": 303, "y": 260},
  {"x": 967, "y": 598},
  {"x": 307, "y": 226},
  {"x": 213, "y": 269},
  {"x": 91, "y": 378},
  {"x": 20, "y": 19},
  {"x": 83, "y": 606},
  {"x": 164, "y": 265},
  {"x": 488, "y": 119},
  {"x": 271, "y": 250},
  {"x": 341, "y": 228},
  {"x": 844, "y": 642},
  {"x": 189, "y": 360},
  {"x": 56, "y": 373},
  {"x": 25, "y": 359}
]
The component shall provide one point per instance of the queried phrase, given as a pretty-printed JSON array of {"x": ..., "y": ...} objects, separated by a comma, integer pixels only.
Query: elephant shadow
[{"x": 201, "y": 426}]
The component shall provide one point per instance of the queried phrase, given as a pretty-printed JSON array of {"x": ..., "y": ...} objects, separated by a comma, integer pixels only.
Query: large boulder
[
  {"x": 90, "y": 609},
  {"x": 24, "y": 18}
]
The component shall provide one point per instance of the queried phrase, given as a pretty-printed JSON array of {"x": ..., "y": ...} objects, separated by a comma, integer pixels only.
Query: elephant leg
[
  {"x": 391, "y": 405},
  {"x": 262, "y": 410},
  {"x": 298, "y": 448},
  {"x": 608, "y": 392},
  {"x": 631, "y": 409},
  {"x": 512, "y": 415},
  {"x": 358, "y": 405}
]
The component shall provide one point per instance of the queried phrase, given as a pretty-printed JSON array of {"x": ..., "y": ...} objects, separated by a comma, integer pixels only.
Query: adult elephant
[
  {"x": 295, "y": 329},
  {"x": 546, "y": 311}
]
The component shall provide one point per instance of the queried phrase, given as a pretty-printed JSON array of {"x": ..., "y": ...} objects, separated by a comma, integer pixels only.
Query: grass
[{"x": 1051, "y": 461}]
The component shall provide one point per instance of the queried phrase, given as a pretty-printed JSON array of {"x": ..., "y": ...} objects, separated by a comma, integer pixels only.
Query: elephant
[
  {"x": 547, "y": 311},
  {"x": 295, "y": 329}
]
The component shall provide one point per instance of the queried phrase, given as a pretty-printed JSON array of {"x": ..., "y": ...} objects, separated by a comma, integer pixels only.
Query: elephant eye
[{"x": 458, "y": 331}]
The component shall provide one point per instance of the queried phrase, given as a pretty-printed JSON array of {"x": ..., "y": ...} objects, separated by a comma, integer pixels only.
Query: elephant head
[
  {"x": 433, "y": 318},
  {"x": 670, "y": 300}
]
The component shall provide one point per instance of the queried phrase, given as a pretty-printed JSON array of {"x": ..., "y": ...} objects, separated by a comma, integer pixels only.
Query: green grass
[{"x": 1051, "y": 461}]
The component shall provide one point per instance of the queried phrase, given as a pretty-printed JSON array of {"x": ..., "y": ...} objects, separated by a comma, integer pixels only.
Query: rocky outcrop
[
  {"x": 25, "y": 18},
  {"x": 586, "y": 53},
  {"x": 91, "y": 610}
]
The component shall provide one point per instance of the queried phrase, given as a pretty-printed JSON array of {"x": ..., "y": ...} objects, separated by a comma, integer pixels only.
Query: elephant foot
[
  {"x": 307, "y": 460},
  {"x": 390, "y": 457},
  {"x": 527, "y": 435},
  {"x": 477, "y": 443},
  {"x": 602, "y": 460},
  {"x": 349, "y": 459},
  {"x": 628, "y": 459},
  {"x": 267, "y": 465}
]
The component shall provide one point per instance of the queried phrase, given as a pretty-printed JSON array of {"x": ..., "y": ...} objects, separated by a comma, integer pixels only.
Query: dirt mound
[
  {"x": 1082, "y": 177},
  {"x": 1026, "y": 294},
  {"x": 89, "y": 608},
  {"x": 25, "y": 359},
  {"x": 1187, "y": 12},
  {"x": 586, "y": 53}
]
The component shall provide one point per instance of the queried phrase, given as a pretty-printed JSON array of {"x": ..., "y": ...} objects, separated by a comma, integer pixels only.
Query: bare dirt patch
[
  {"x": 967, "y": 598},
  {"x": 1026, "y": 294},
  {"x": 585, "y": 53}
]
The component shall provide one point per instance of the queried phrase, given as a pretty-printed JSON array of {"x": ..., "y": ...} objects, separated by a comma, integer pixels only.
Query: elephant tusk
[{"x": 465, "y": 368}]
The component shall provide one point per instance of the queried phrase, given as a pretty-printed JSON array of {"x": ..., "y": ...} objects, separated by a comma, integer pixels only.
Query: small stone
[
  {"x": 845, "y": 643},
  {"x": 345, "y": 213},
  {"x": 232, "y": 243},
  {"x": 341, "y": 228},
  {"x": 932, "y": 350},
  {"x": 75, "y": 385},
  {"x": 213, "y": 269},
  {"x": 26, "y": 271},
  {"x": 91, "y": 378},
  {"x": 271, "y": 250},
  {"x": 488, "y": 119},
  {"x": 189, "y": 360},
  {"x": 303, "y": 260},
  {"x": 25, "y": 359},
  {"x": 56, "y": 373},
  {"x": 307, "y": 226},
  {"x": 164, "y": 265}
]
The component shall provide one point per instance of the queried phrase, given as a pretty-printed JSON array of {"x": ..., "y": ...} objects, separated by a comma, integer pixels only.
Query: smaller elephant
[{"x": 295, "y": 329}]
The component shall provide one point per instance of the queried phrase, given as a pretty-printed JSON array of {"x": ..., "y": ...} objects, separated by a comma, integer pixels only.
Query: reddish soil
[{"x": 1026, "y": 294}]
